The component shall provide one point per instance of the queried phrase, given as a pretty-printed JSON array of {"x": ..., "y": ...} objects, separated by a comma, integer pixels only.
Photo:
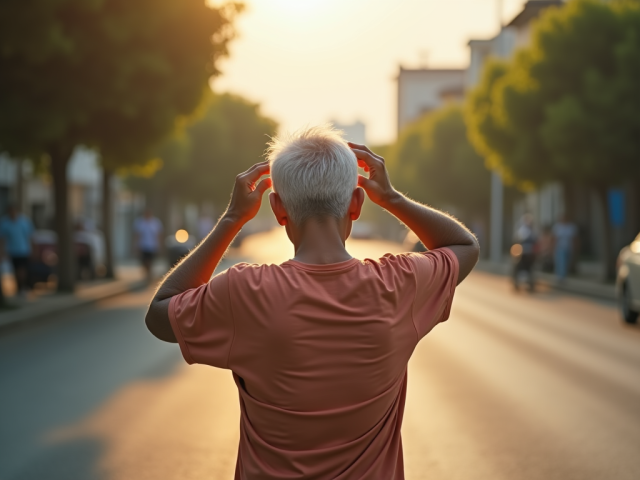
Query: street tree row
[
  {"x": 117, "y": 76},
  {"x": 567, "y": 108}
]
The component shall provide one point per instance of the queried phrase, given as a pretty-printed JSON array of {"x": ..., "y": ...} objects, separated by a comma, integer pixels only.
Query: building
[
  {"x": 425, "y": 89},
  {"x": 355, "y": 132}
]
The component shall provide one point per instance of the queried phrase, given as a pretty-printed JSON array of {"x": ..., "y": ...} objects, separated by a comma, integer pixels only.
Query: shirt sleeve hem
[
  {"x": 176, "y": 331},
  {"x": 453, "y": 282}
]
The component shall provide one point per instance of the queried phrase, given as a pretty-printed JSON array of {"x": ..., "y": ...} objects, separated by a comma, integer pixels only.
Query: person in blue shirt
[{"x": 15, "y": 232}]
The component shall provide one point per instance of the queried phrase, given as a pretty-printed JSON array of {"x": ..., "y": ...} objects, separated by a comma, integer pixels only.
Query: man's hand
[
  {"x": 434, "y": 229},
  {"x": 197, "y": 267},
  {"x": 247, "y": 193},
  {"x": 378, "y": 185}
]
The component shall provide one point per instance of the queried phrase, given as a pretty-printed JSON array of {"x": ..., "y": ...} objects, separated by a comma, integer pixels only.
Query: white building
[
  {"x": 355, "y": 132},
  {"x": 425, "y": 89}
]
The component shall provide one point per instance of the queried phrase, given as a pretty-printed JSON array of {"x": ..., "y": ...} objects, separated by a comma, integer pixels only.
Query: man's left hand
[{"x": 247, "y": 193}]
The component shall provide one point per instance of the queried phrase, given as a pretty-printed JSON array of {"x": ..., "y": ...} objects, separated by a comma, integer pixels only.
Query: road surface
[{"x": 513, "y": 387}]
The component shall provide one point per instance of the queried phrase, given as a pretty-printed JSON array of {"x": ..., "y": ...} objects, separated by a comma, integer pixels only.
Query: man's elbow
[
  {"x": 476, "y": 251},
  {"x": 158, "y": 324}
]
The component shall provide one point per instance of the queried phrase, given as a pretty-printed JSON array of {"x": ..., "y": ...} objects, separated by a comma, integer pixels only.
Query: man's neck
[{"x": 321, "y": 242}]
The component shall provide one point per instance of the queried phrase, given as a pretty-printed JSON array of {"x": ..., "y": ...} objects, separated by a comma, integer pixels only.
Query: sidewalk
[
  {"x": 576, "y": 285},
  {"x": 129, "y": 278}
]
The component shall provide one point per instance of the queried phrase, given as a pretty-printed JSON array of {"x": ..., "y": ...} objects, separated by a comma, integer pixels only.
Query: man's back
[{"x": 319, "y": 354}]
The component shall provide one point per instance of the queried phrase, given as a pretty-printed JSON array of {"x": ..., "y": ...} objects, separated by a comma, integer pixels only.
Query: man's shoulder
[{"x": 247, "y": 268}]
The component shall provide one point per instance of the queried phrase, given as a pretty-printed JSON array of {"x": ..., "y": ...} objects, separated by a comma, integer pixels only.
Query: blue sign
[{"x": 616, "y": 207}]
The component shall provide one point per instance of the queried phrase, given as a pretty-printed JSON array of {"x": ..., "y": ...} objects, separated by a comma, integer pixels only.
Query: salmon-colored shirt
[{"x": 319, "y": 355}]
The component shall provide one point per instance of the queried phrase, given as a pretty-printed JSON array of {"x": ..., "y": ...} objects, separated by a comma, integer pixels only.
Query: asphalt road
[{"x": 513, "y": 386}]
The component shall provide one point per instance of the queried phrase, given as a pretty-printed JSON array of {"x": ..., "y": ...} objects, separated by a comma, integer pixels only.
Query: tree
[
  {"x": 568, "y": 107},
  {"x": 201, "y": 165},
  {"x": 112, "y": 75},
  {"x": 435, "y": 163}
]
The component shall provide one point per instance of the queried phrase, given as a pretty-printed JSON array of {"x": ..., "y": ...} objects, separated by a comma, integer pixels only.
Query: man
[
  {"x": 318, "y": 345},
  {"x": 525, "y": 237},
  {"x": 564, "y": 237},
  {"x": 16, "y": 231},
  {"x": 147, "y": 230}
]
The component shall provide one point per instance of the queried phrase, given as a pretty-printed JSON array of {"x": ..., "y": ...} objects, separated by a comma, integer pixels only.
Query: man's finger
[
  {"x": 263, "y": 186},
  {"x": 368, "y": 158},
  {"x": 365, "y": 148},
  {"x": 363, "y": 165},
  {"x": 255, "y": 172},
  {"x": 364, "y": 182}
]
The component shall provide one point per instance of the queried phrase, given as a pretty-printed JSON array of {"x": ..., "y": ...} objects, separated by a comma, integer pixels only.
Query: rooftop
[{"x": 531, "y": 11}]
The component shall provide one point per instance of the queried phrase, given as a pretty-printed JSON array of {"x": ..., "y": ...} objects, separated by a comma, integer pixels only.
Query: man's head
[{"x": 314, "y": 175}]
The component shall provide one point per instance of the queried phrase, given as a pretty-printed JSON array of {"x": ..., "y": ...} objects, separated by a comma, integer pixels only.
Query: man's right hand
[{"x": 378, "y": 185}]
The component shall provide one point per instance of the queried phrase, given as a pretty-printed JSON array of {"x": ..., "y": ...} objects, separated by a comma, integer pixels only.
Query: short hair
[{"x": 314, "y": 171}]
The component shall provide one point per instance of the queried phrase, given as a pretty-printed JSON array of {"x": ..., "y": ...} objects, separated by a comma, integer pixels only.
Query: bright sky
[{"x": 311, "y": 61}]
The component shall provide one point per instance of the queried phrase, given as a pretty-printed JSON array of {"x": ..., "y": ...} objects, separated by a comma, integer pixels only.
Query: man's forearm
[
  {"x": 196, "y": 269},
  {"x": 435, "y": 229}
]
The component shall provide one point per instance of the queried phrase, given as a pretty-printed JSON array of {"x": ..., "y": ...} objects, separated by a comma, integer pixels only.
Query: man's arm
[
  {"x": 434, "y": 228},
  {"x": 197, "y": 267}
]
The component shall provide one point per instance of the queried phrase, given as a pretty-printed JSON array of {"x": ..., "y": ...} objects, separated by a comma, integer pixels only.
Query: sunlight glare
[{"x": 295, "y": 7}]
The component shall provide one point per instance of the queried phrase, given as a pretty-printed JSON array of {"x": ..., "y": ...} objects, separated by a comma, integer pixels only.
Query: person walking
[
  {"x": 525, "y": 240},
  {"x": 16, "y": 231},
  {"x": 147, "y": 230},
  {"x": 319, "y": 344},
  {"x": 564, "y": 236}
]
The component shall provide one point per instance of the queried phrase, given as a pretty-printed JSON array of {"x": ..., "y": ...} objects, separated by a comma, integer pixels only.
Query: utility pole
[{"x": 497, "y": 189}]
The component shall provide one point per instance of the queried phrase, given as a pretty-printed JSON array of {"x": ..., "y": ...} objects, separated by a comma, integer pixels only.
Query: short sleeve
[
  {"x": 202, "y": 322},
  {"x": 436, "y": 274}
]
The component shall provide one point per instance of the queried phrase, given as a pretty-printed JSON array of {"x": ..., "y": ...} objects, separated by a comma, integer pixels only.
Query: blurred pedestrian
[
  {"x": 318, "y": 345},
  {"x": 16, "y": 231},
  {"x": 564, "y": 238},
  {"x": 147, "y": 230},
  {"x": 545, "y": 250},
  {"x": 524, "y": 251},
  {"x": 82, "y": 241}
]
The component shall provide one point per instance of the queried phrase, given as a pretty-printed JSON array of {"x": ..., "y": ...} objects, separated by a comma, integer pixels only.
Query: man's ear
[
  {"x": 355, "y": 207},
  {"x": 278, "y": 209}
]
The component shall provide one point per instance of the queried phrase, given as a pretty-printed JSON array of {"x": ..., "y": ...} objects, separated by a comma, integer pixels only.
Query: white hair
[{"x": 315, "y": 173}]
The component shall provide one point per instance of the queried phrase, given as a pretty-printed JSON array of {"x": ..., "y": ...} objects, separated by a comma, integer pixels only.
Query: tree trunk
[
  {"x": 107, "y": 220},
  {"x": 2, "y": 301},
  {"x": 66, "y": 257},
  {"x": 608, "y": 256}
]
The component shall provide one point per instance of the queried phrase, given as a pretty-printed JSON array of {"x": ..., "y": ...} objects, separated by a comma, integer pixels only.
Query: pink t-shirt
[{"x": 319, "y": 355}]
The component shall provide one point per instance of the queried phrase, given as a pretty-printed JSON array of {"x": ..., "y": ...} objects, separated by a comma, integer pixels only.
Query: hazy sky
[{"x": 311, "y": 61}]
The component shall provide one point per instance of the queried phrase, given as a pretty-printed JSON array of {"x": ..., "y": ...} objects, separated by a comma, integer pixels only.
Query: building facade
[{"x": 425, "y": 89}]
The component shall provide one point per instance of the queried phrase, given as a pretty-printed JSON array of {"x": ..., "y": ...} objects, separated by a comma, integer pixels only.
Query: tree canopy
[
  {"x": 434, "y": 162},
  {"x": 201, "y": 164},
  {"x": 113, "y": 75},
  {"x": 568, "y": 107}
]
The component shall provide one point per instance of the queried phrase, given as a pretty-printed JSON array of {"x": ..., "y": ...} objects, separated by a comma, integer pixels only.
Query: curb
[
  {"x": 55, "y": 304},
  {"x": 601, "y": 291}
]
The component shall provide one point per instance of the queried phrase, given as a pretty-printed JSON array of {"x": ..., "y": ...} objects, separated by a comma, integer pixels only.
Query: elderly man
[{"x": 318, "y": 345}]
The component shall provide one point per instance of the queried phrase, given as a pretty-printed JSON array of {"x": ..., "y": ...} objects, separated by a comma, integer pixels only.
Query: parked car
[{"x": 628, "y": 281}]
